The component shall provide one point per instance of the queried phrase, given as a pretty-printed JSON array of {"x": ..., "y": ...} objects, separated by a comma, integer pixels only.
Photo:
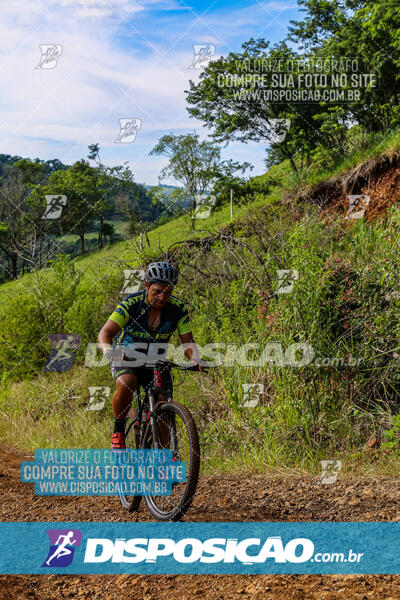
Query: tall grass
[{"x": 344, "y": 305}]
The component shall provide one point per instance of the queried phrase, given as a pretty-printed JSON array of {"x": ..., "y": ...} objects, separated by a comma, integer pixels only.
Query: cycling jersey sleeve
[
  {"x": 120, "y": 315},
  {"x": 184, "y": 325}
]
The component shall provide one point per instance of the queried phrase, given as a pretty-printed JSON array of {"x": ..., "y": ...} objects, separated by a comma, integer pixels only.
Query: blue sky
[{"x": 120, "y": 59}]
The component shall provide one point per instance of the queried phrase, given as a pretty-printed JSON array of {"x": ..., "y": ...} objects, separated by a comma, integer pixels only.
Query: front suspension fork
[
  {"x": 151, "y": 418},
  {"x": 154, "y": 428}
]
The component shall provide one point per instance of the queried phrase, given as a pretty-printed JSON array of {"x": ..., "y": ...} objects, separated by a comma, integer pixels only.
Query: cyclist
[{"x": 148, "y": 316}]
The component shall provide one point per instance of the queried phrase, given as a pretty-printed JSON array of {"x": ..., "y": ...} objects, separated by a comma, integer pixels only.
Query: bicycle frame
[
  {"x": 162, "y": 418},
  {"x": 151, "y": 395},
  {"x": 150, "y": 401}
]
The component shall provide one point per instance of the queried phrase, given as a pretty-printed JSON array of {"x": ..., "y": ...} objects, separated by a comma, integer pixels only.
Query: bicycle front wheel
[{"x": 176, "y": 431}]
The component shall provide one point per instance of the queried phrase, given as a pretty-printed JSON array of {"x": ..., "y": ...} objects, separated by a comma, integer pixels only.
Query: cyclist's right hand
[
  {"x": 199, "y": 365},
  {"x": 197, "y": 362}
]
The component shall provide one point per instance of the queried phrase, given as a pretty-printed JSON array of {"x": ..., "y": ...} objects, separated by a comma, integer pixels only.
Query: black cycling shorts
[{"x": 145, "y": 377}]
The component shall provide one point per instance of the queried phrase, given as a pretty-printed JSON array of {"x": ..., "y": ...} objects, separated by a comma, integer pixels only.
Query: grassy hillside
[
  {"x": 342, "y": 403},
  {"x": 126, "y": 252}
]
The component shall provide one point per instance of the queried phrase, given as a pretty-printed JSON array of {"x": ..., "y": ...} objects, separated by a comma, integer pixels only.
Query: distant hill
[{"x": 51, "y": 165}]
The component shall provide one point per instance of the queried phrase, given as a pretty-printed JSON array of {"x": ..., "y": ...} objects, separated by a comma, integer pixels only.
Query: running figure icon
[
  {"x": 62, "y": 549},
  {"x": 63, "y": 544}
]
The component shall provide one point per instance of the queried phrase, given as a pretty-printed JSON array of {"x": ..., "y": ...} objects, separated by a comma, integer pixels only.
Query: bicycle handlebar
[
  {"x": 124, "y": 361},
  {"x": 173, "y": 365}
]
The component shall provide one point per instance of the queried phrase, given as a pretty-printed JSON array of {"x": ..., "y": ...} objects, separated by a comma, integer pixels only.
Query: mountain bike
[{"x": 165, "y": 425}]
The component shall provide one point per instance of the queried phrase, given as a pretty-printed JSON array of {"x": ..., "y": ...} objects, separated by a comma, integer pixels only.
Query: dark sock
[{"x": 119, "y": 426}]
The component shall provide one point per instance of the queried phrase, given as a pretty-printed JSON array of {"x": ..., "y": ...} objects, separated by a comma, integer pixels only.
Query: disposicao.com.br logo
[
  {"x": 213, "y": 550},
  {"x": 62, "y": 547}
]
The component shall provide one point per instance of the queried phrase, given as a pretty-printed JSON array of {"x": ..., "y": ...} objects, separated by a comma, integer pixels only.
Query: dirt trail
[{"x": 254, "y": 498}]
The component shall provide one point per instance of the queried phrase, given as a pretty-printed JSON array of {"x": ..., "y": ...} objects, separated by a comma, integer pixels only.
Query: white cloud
[
  {"x": 97, "y": 12},
  {"x": 58, "y": 112}
]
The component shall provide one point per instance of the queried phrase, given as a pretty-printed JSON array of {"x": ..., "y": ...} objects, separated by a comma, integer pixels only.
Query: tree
[
  {"x": 195, "y": 165},
  {"x": 368, "y": 31},
  {"x": 119, "y": 192},
  {"x": 20, "y": 216},
  {"x": 109, "y": 180},
  {"x": 232, "y": 99},
  {"x": 12, "y": 200},
  {"x": 173, "y": 200},
  {"x": 79, "y": 184}
]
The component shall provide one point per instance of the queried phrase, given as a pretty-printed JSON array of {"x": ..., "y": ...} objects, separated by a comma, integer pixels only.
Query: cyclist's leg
[{"x": 126, "y": 383}]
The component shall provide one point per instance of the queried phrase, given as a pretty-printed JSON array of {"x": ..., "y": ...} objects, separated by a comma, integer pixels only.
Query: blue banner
[{"x": 200, "y": 548}]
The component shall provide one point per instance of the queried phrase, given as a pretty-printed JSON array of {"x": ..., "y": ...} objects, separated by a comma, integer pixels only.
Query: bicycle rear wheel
[
  {"x": 184, "y": 443},
  {"x": 132, "y": 441}
]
